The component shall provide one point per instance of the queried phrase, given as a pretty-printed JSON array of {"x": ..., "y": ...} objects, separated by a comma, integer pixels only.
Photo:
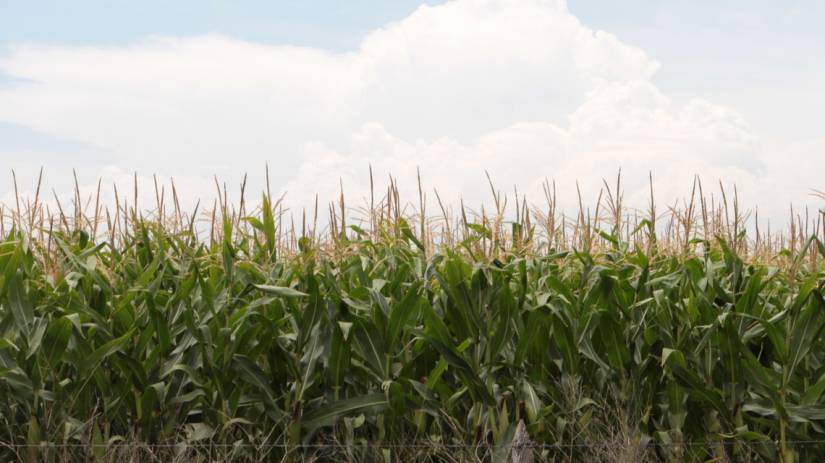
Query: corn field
[{"x": 385, "y": 333}]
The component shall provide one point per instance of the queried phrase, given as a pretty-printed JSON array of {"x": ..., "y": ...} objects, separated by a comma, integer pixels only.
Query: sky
[{"x": 526, "y": 90}]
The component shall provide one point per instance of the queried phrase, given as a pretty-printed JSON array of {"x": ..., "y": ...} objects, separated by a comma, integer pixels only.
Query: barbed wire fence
[{"x": 527, "y": 452}]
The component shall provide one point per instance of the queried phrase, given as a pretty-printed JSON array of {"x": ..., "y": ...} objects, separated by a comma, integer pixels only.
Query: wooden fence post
[{"x": 522, "y": 447}]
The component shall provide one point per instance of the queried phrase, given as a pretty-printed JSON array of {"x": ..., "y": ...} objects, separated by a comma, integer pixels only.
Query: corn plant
[{"x": 385, "y": 344}]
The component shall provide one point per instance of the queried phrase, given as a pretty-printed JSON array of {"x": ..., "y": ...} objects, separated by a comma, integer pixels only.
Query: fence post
[{"x": 522, "y": 447}]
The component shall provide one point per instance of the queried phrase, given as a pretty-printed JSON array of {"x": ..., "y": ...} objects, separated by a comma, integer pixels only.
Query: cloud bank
[{"x": 518, "y": 88}]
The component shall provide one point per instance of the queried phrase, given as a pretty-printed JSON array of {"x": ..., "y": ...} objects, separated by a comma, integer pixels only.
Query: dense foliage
[{"x": 376, "y": 349}]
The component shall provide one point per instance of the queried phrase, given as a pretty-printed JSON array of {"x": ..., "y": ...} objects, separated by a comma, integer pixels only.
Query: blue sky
[
  {"x": 332, "y": 24},
  {"x": 734, "y": 81}
]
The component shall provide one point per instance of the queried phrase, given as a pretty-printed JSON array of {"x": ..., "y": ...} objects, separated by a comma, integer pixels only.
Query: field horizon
[{"x": 704, "y": 212}]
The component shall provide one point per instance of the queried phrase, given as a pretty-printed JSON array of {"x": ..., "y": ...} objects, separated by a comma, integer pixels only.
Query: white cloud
[{"x": 519, "y": 88}]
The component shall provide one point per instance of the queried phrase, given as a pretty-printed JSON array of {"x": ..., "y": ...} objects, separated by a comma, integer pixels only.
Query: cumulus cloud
[{"x": 519, "y": 88}]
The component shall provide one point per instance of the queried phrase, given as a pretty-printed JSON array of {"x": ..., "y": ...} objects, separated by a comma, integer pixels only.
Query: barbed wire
[{"x": 539, "y": 446}]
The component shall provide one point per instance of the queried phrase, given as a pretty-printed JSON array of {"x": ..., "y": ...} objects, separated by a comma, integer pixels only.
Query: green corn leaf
[
  {"x": 327, "y": 415},
  {"x": 281, "y": 291},
  {"x": 93, "y": 360},
  {"x": 57, "y": 340}
]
